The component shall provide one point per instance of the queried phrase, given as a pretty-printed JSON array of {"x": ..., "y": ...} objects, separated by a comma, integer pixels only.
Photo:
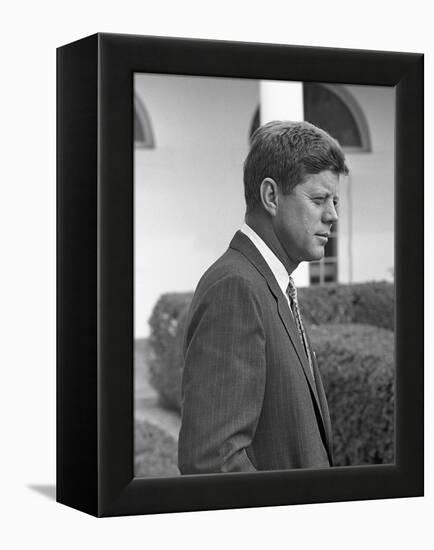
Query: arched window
[
  {"x": 325, "y": 270},
  {"x": 143, "y": 134},
  {"x": 332, "y": 108}
]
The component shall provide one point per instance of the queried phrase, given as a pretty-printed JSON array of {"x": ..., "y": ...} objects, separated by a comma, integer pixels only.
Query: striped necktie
[{"x": 292, "y": 293}]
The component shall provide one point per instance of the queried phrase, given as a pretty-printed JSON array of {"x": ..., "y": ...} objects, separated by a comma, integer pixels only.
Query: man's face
[{"x": 304, "y": 217}]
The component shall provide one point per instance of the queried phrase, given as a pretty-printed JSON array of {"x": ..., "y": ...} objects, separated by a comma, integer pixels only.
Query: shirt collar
[{"x": 273, "y": 262}]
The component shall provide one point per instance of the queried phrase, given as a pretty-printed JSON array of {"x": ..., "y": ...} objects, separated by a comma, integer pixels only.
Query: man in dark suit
[{"x": 253, "y": 398}]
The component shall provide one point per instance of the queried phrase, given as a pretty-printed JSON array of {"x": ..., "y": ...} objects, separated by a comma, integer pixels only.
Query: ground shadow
[{"x": 48, "y": 491}]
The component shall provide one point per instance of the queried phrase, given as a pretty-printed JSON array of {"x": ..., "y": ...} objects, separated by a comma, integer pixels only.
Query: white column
[
  {"x": 281, "y": 100},
  {"x": 284, "y": 101}
]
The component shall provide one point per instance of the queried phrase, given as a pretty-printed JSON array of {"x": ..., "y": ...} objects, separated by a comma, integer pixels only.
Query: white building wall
[
  {"x": 189, "y": 198},
  {"x": 189, "y": 193},
  {"x": 371, "y": 228}
]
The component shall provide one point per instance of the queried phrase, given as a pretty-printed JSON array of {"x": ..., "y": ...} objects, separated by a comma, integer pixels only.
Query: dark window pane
[
  {"x": 330, "y": 272},
  {"x": 331, "y": 248},
  {"x": 315, "y": 273},
  {"x": 325, "y": 109},
  {"x": 143, "y": 132},
  {"x": 255, "y": 122},
  {"x": 139, "y": 134}
]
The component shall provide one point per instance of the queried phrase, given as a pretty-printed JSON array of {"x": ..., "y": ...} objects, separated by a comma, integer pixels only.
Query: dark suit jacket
[{"x": 249, "y": 399}]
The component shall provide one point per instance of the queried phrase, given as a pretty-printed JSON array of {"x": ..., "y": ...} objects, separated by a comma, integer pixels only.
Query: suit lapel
[
  {"x": 323, "y": 404},
  {"x": 243, "y": 244},
  {"x": 291, "y": 328},
  {"x": 315, "y": 386}
]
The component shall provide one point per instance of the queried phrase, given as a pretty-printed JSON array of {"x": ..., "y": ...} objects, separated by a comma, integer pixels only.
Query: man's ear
[{"x": 269, "y": 195}]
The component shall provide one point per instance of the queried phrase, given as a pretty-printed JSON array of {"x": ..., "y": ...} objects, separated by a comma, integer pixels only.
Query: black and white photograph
[
  {"x": 217, "y": 263},
  {"x": 264, "y": 295}
]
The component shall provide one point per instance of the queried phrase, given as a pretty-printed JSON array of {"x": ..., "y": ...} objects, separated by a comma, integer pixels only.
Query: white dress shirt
[
  {"x": 277, "y": 268},
  {"x": 273, "y": 262}
]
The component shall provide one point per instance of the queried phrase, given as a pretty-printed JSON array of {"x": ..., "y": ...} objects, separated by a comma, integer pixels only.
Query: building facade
[{"x": 191, "y": 137}]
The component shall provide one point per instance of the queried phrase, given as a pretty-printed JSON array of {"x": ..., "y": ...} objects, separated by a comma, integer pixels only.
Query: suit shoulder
[
  {"x": 231, "y": 265},
  {"x": 232, "y": 278}
]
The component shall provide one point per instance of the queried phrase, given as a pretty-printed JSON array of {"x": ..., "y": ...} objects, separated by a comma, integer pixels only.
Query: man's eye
[{"x": 318, "y": 200}]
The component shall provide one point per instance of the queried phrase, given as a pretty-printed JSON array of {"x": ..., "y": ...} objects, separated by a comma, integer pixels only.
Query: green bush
[
  {"x": 364, "y": 303},
  {"x": 367, "y": 303},
  {"x": 357, "y": 367},
  {"x": 356, "y": 362},
  {"x": 155, "y": 452},
  {"x": 165, "y": 347}
]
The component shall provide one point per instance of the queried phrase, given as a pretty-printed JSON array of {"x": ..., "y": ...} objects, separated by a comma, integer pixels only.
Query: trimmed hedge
[
  {"x": 155, "y": 452},
  {"x": 357, "y": 366},
  {"x": 365, "y": 303},
  {"x": 356, "y": 362},
  {"x": 165, "y": 346}
]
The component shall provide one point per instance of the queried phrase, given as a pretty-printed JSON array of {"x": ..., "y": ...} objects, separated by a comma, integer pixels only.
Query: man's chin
[{"x": 316, "y": 254}]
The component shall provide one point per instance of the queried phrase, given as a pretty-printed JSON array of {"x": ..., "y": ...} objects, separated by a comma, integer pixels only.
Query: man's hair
[{"x": 287, "y": 152}]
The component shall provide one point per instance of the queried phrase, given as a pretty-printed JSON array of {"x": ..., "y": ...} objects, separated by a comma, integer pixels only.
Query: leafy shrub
[
  {"x": 365, "y": 303},
  {"x": 155, "y": 452},
  {"x": 356, "y": 363},
  {"x": 165, "y": 347}
]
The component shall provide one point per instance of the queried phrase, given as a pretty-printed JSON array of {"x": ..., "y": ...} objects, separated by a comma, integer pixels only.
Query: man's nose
[{"x": 330, "y": 214}]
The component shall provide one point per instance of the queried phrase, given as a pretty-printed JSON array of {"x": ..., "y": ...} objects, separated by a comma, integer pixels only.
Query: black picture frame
[{"x": 95, "y": 423}]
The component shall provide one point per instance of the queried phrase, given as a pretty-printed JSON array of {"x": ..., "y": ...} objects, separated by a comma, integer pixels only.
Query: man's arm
[{"x": 223, "y": 380}]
